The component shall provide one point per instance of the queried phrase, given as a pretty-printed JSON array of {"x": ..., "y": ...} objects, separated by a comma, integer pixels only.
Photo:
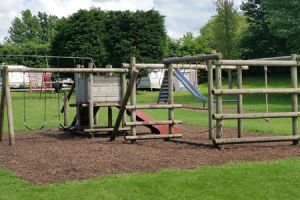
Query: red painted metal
[{"x": 159, "y": 129}]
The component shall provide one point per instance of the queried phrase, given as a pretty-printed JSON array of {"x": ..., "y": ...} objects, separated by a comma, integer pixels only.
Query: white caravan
[
  {"x": 153, "y": 80},
  {"x": 16, "y": 79}
]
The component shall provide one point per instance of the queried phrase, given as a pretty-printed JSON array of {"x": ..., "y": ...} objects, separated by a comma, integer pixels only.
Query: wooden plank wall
[
  {"x": 107, "y": 88},
  {"x": 81, "y": 88}
]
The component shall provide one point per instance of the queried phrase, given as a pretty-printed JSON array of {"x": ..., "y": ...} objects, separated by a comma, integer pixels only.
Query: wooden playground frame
[
  {"x": 92, "y": 116},
  {"x": 286, "y": 61},
  {"x": 213, "y": 61},
  {"x": 216, "y": 59}
]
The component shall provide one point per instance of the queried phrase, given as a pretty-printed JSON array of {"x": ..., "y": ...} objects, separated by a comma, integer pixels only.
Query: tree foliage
[
  {"x": 28, "y": 48},
  {"x": 140, "y": 34},
  {"x": 188, "y": 45},
  {"x": 224, "y": 30},
  {"x": 257, "y": 41},
  {"x": 283, "y": 20},
  {"x": 81, "y": 35},
  {"x": 37, "y": 29}
]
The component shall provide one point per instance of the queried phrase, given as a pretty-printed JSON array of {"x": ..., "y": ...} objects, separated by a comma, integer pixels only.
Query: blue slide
[{"x": 191, "y": 88}]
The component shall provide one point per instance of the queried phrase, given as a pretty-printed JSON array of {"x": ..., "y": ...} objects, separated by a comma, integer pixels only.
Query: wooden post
[
  {"x": 240, "y": 101},
  {"x": 171, "y": 97},
  {"x": 96, "y": 119},
  {"x": 133, "y": 97},
  {"x": 123, "y": 85},
  {"x": 77, "y": 75},
  {"x": 294, "y": 84},
  {"x": 229, "y": 79},
  {"x": 218, "y": 100},
  {"x": 91, "y": 99},
  {"x": 66, "y": 109},
  {"x": 124, "y": 103},
  {"x": 70, "y": 94},
  {"x": 11, "y": 133},
  {"x": 110, "y": 73},
  {"x": 3, "y": 100},
  {"x": 210, "y": 85},
  {"x": 109, "y": 109},
  {"x": 30, "y": 88}
]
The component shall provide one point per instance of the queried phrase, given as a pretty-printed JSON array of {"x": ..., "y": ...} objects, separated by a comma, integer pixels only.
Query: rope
[
  {"x": 179, "y": 67},
  {"x": 266, "y": 85},
  {"x": 190, "y": 72},
  {"x": 196, "y": 75}
]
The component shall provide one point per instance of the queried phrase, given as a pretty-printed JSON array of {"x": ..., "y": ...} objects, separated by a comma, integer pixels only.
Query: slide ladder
[
  {"x": 163, "y": 94},
  {"x": 164, "y": 91}
]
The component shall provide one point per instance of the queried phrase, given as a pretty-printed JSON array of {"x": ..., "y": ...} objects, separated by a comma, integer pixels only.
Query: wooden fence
[{"x": 218, "y": 92}]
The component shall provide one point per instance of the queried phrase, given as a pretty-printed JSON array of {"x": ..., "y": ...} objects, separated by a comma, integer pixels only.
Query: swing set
[{"x": 57, "y": 86}]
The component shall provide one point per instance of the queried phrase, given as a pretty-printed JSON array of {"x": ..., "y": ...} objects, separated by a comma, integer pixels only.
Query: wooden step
[
  {"x": 153, "y": 123},
  {"x": 149, "y": 137},
  {"x": 105, "y": 130}
]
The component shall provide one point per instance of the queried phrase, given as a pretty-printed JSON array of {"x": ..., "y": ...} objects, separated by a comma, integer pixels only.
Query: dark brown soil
[{"x": 52, "y": 156}]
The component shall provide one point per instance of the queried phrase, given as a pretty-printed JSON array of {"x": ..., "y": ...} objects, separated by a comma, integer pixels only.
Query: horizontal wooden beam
[
  {"x": 105, "y": 130},
  {"x": 96, "y": 104},
  {"x": 68, "y": 70},
  {"x": 255, "y": 139},
  {"x": 156, "y": 106},
  {"x": 257, "y": 63},
  {"x": 256, "y": 115},
  {"x": 279, "y": 58},
  {"x": 153, "y": 123},
  {"x": 275, "y": 58},
  {"x": 256, "y": 91},
  {"x": 149, "y": 137},
  {"x": 180, "y": 66},
  {"x": 193, "y": 58}
]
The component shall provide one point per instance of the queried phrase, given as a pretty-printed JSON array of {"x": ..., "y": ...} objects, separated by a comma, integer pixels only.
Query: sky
[{"x": 181, "y": 16}]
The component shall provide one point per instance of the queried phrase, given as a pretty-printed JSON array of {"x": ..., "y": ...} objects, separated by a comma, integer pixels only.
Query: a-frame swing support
[{"x": 6, "y": 99}]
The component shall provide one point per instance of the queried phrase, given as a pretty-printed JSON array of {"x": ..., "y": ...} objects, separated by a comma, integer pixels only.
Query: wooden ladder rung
[
  {"x": 256, "y": 139},
  {"x": 149, "y": 137},
  {"x": 156, "y": 106},
  {"x": 105, "y": 130},
  {"x": 153, "y": 123}
]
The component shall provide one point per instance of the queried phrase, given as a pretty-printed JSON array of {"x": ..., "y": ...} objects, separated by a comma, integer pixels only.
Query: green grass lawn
[{"x": 255, "y": 180}]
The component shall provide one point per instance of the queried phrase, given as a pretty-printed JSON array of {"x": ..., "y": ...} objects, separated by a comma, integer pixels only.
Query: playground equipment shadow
[{"x": 53, "y": 156}]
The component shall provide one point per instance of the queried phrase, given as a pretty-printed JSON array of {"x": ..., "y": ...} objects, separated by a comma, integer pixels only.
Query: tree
[
  {"x": 140, "y": 34},
  {"x": 47, "y": 23},
  {"x": 187, "y": 45},
  {"x": 28, "y": 48},
  {"x": 207, "y": 32},
  {"x": 283, "y": 20},
  {"x": 227, "y": 27},
  {"x": 81, "y": 35},
  {"x": 257, "y": 41},
  {"x": 172, "y": 46},
  {"x": 193, "y": 46},
  {"x": 37, "y": 29}
]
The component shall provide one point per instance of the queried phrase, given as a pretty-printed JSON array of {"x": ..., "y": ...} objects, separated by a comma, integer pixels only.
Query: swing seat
[{"x": 36, "y": 129}]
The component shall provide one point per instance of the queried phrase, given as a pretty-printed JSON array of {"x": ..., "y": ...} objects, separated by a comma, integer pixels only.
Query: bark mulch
[{"x": 54, "y": 156}]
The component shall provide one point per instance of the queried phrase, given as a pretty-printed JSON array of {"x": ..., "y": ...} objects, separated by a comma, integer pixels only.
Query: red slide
[{"x": 159, "y": 129}]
